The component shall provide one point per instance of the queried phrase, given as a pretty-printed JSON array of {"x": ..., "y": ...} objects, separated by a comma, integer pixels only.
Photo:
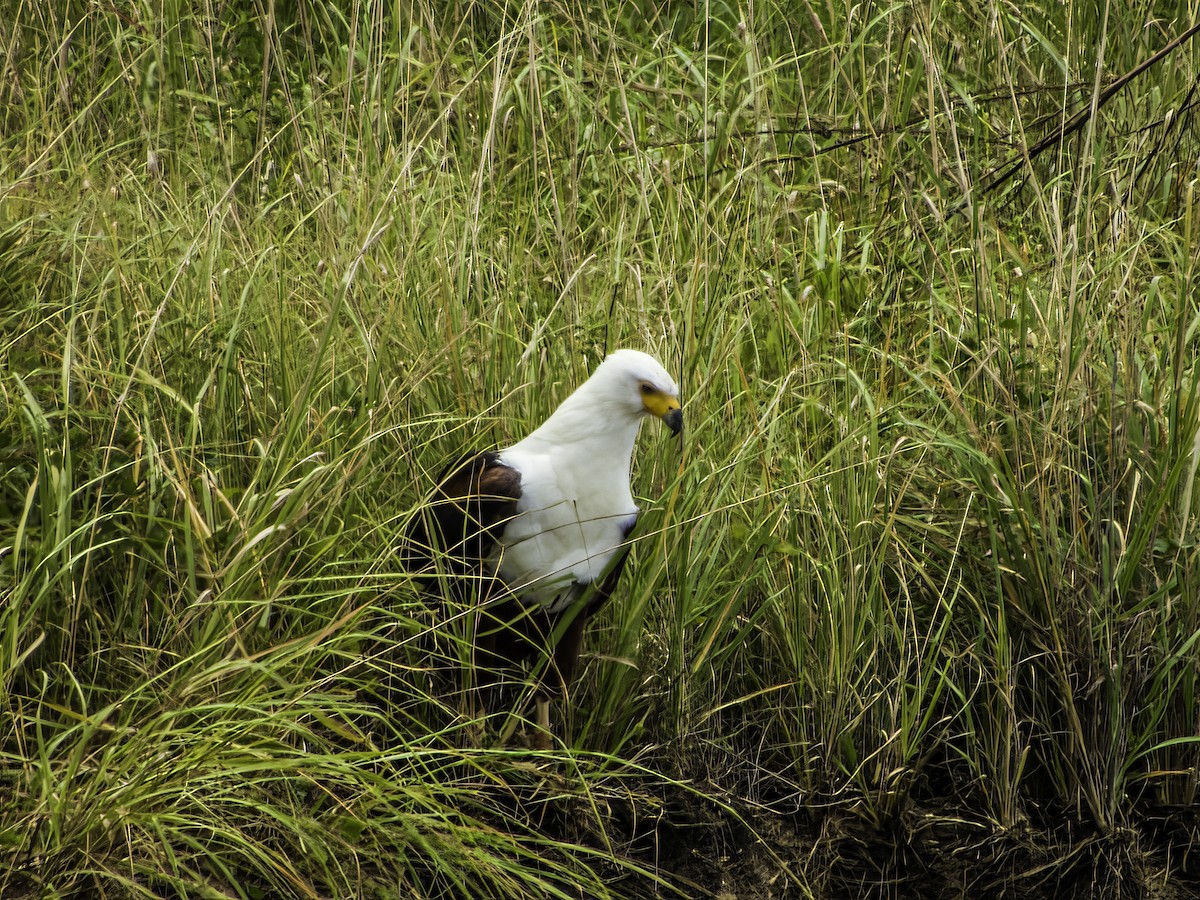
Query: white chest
[{"x": 570, "y": 523}]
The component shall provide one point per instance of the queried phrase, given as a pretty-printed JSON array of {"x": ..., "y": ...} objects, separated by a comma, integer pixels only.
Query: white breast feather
[{"x": 571, "y": 521}]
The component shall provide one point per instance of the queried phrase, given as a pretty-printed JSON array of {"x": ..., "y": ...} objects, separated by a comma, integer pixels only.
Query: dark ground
[{"x": 734, "y": 850}]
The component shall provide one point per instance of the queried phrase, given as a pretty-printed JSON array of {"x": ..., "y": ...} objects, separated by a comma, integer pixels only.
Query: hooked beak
[{"x": 674, "y": 420}]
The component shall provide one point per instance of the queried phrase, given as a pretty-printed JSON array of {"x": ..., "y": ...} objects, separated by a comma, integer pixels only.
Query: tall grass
[{"x": 928, "y": 548}]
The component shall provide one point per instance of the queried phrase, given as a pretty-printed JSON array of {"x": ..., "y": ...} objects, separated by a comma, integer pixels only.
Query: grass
[{"x": 922, "y": 575}]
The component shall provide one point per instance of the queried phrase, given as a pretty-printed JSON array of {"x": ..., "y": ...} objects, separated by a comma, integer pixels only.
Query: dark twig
[{"x": 1006, "y": 171}]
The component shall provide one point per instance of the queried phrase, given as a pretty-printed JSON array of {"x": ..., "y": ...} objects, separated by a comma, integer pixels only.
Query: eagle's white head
[
  {"x": 637, "y": 384},
  {"x": 626, "y": 388}
]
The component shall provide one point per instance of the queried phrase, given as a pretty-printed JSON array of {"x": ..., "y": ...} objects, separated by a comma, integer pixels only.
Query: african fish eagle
[{"x": 538, "y": 533}]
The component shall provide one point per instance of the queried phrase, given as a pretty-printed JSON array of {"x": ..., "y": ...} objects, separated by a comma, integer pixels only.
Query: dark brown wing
[{"x": 465, "y": 517}]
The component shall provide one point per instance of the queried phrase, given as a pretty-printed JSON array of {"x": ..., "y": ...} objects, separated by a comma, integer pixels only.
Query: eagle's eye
[{"x": 647, "y": 389}]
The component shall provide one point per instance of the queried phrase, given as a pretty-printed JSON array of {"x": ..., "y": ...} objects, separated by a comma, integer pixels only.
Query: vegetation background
[{"x": 916, "y": 608}]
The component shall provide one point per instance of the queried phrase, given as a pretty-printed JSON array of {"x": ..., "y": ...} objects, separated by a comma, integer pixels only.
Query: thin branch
[{"x": 1006, "y": 171}]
